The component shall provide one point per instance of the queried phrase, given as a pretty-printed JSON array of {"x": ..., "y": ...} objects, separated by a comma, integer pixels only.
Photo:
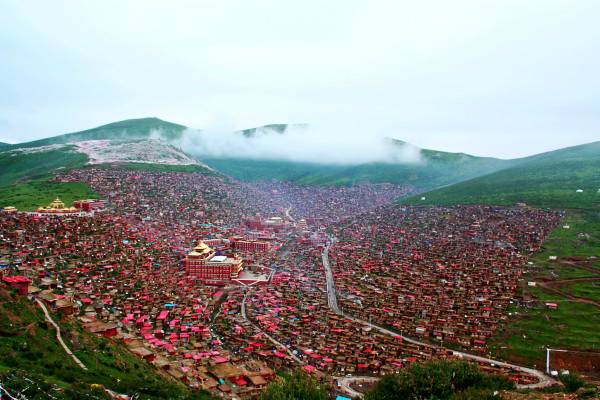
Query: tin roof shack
[
  {"x": 17, "y": 282},
  {"x": 108, "y": 330}
]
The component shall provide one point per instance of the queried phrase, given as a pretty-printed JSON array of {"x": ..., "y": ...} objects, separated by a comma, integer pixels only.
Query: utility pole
[{"x": 548, "y": 360}]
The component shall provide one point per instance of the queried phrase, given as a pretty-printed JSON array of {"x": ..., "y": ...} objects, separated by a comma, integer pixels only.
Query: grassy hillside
[
  {"x": 141, "y": 128},
  {"x": 28, "y": 347},
  {"x": 546, "y": 180},
  {"x": 16, "y": 165},
  {"x": 438, "y": 169},
  {"x": 25, "y": 168},
  {"x": 550, "y": 180}
]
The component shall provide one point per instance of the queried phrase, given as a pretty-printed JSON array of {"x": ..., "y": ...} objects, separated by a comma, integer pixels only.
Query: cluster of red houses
[
  {"x": 131, "y": 273},
  {"x": 445, "y": 274}
]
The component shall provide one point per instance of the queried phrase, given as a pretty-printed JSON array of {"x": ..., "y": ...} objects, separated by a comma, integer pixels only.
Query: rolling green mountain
[
  {"x": 559, "y": 172},
  {"x": 278, "y": 128},
  {"x": 549, "y": 179},
  {"x": 2, "y": 144},
  {"x": 141, "y": 128},
  {"x": 437, "y": 168},
  {"x": 26, "y": 168}
]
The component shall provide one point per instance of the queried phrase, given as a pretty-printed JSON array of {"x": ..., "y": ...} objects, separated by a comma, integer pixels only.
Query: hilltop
[
  {"x": 565, "y": 178},
  {"x": 140, "y": 141},
  {"x": 140, "y": 128},
  {"x": 143, "y": 144},
  {"x": 151, "y": 142}
]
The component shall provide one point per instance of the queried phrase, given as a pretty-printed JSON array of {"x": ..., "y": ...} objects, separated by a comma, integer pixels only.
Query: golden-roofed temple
[
  {"x": 57, "y": 207},
  {"x": 202, "y": 250},
  {"x": 203, "y": 263}
]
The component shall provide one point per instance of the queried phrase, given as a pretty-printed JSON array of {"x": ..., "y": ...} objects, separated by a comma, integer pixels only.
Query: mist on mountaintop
[{"x": 322, "y": 144}]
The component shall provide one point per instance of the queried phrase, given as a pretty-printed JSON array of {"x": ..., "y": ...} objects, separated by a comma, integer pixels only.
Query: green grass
[
  {"x": 589, "y": 290},
  {"x": 30, "y": 195},
  {"x": 438, "y": 168},
  {"x": 15, "y": 165},
  {"x": 27, "y": 344},
  {"x": 571, "y": 326}
]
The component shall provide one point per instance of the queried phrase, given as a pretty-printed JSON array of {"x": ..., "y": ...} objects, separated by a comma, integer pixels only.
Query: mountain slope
[
  {"x": 140, "y": 128},
  {"x": 437, "y": 169},
  {"x": 31, "y": 162},
  {"x": 549, "y": 179}
]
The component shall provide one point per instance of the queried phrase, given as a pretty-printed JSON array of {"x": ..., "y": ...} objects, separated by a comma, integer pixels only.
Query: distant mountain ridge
[
  {"x": 439, "y": 170},
  {"x": 564, "y": 178}
]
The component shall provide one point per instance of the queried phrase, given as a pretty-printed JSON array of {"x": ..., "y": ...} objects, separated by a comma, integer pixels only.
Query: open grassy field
[
  {"x": 27, "y": 344},
  {"x": 590, "y": 290},
  {"x": 40, "y": 192}
]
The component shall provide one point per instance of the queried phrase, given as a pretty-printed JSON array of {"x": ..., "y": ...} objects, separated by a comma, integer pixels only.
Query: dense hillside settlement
[{"x": 221, "y": 284}]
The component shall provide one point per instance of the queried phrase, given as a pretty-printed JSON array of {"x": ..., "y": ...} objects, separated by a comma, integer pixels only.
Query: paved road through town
[{"x": 273, "y": 340}]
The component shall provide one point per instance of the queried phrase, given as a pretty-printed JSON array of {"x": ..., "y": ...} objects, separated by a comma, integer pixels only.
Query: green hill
[
  {"x": 141, "y": 128},
  {"x": 549, "y": 179},
  {"x": 17, "y": 164},
  {"x": 29, "y": 351},
  {"x": 26, "y": 168},
  {"x": 437, "y": 169}
]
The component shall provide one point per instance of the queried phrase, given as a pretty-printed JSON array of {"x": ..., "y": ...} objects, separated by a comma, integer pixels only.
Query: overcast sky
[{"x": 502, "y": 78}]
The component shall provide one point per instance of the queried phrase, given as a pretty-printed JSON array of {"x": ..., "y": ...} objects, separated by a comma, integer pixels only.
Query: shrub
[
  {"x": 571, "y": 381},
  {"x": 438, "y": 380},
  {"x": 295, "y": 386}
]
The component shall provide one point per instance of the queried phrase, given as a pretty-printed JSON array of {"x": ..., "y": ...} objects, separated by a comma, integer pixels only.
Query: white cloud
[{"x": 337, "y": 144}]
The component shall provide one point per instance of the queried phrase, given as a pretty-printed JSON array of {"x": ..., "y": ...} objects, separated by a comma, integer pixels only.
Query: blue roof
[{"x": 342, "y": 398}]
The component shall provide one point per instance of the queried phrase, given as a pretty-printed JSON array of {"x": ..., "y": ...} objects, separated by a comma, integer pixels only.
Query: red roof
[{"x": 16, "y": 279}]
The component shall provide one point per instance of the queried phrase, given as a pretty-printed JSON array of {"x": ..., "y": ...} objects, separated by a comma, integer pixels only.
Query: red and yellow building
[
  {"x": 57, "y": 207},
  {"x": 204, "y": 263}
]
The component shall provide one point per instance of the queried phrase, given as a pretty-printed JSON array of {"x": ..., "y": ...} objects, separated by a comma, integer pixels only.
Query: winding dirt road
[{"x": 58, "y": 335}]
